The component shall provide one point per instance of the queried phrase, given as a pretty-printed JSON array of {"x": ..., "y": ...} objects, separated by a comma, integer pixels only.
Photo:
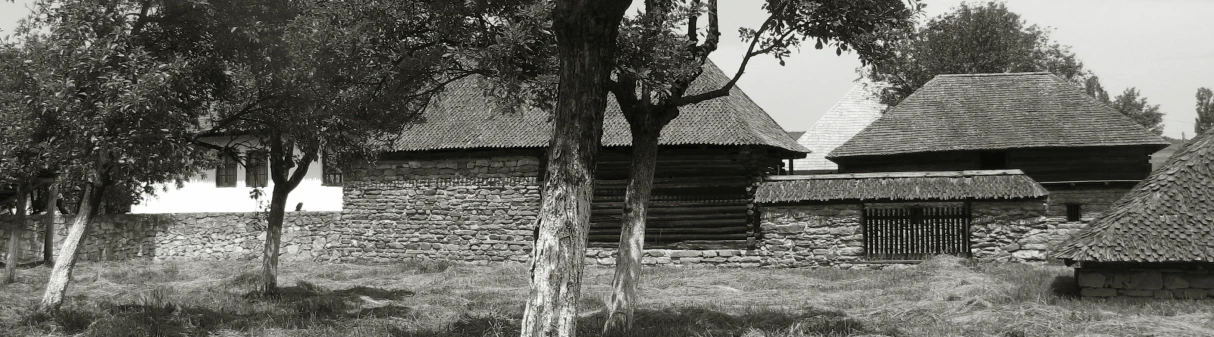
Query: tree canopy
[
  {"x": 1132, "y": 104},
  {"x": 984, "y": 38},
  {"x": 1205, "y": 111}
]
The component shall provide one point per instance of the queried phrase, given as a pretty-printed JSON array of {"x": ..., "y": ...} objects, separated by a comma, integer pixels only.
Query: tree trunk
[
  {"x": 61, "y": 275},
  {"x": 269, "y": 257},
  {"x": 285, "y": 181},
  {"x": 48, "y": 227},
  {"x": 632, "y": 236},
  {"x": 586, "y": 31},
  {"x": 14, "y": 239}
]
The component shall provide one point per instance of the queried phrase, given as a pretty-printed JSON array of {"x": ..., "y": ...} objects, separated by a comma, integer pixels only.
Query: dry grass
[{"x": 941, "y": 297}]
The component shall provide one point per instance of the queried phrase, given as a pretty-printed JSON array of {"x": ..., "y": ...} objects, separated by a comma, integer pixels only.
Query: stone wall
[
  {"x": 1020, "y": 231},
  {"x": 474, "y": 208},
  {"x": 1159, "y": 280},
  {"x": 185, "y": 236}
]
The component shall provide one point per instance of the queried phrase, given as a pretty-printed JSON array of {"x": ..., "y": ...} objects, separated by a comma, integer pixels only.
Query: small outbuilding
[{"x": 1156, "y": 241}]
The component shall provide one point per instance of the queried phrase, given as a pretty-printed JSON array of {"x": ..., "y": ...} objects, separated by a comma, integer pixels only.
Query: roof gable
[
  {"x": 463, "y": 118},
  {"x": 1167, "y": 217},
  {"x": 996, "y": 111},
  {"x": 852, "y": 113}
]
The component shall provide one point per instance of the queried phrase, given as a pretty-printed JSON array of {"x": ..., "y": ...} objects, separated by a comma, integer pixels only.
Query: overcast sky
[{"x": 1165, "y": 48}]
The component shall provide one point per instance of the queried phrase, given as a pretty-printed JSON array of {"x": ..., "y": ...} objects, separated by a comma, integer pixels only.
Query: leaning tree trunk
[
  {"x": 61, "y": 275},
  {"x": 48, "y": 227},
  {"x": 621, "y": 309},
  {"x": 269, "y": 257},
  {"x": 14, "y": 239},
  {"x": 586, "y": 32}
]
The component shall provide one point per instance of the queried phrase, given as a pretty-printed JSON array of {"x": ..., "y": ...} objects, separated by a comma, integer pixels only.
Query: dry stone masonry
[{"x": 1159, "y": 280}]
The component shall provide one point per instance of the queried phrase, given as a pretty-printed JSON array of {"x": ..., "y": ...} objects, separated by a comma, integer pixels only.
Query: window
[
  {"x": 1073, "y": 212},
  {"x": 225, "y": 174},
  {"x": 993, "y": 160},
  {"x": 330, "y": 172},
  {"x": 256, "y": 172}
]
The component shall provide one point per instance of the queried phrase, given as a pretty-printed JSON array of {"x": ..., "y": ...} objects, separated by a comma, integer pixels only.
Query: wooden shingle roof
[
  {"x": 462, "y": 118},
  {"x": 852, "y": 113},
  {"x": 1169, "y": 217},
  {"x": 904, "y": 186},
  {"x": 996, "y": 111}
]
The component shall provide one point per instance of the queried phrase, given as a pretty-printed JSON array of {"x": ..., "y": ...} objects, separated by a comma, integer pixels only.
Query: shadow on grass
[
  {"x": 684, "y": 322},
  {"x": 155, "y": 314}
]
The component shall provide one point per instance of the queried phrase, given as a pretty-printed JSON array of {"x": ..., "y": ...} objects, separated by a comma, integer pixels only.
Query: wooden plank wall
[
  {"x": 915, "y": 233},
  {"x": 698, "y": 194},
  {"x": 1042, "y": 164}
]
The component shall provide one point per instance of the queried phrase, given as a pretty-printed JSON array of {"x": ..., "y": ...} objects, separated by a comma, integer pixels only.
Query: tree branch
[{"x": 724, "y": 90}]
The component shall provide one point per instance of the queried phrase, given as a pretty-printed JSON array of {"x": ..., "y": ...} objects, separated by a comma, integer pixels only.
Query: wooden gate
[{"x": 916, "y": 233}]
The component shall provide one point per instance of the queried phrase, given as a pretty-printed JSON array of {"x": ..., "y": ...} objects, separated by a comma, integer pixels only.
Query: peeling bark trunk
[
  {"x": 621, "y": 308},
  {"x": 269, "y": 257},
  {"x": 14, "y": 240},
  {"x": 586, "y": 31},
  {"x": 61, "y": 275},
  {"x": 48, "y": 227}
]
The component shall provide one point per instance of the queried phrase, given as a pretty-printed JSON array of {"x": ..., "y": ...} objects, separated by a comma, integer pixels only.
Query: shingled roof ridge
[{"x": 1027, "y": 73}]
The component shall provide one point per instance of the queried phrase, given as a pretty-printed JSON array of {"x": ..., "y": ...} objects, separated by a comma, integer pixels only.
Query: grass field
[{"x": 942, "y": 297}]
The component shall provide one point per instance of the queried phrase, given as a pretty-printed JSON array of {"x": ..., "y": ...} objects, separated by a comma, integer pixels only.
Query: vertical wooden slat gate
[{"x": 916, "y": 233}]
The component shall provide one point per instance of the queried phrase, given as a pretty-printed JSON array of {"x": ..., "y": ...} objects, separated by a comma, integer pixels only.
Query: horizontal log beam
[
  {"x": 675, "y": 223},
  {"x": 673, "y": 237},
  {"x": 660, "y": 231}
]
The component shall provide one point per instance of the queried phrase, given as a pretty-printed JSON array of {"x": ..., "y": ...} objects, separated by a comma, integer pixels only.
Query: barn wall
[
  {"x": 1159, "y": 280},
  {"x": 476, "y": 206},
  {"x": 1043, "y": 165}
]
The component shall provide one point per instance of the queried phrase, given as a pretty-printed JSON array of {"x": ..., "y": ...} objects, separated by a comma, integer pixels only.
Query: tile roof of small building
[
  {"x": 900, "y": 186},
  {"x": 996, "y": 111},
  {"x": 462, "y": 118},
  {"x": 852, "y": 113},
  {"x": 1169, "y": 217}
]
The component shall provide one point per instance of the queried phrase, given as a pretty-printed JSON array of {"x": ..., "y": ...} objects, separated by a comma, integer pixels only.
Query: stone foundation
[
  {"x": 184, "y": 236},
  {"x": 1158, "y": 280}
]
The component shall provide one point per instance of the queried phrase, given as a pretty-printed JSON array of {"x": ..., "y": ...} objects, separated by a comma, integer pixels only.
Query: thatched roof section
[
  {"x": 993, "y": 112},
  {"x": 909, "y": 186},
  {"x": 462, "y": 118},
  {"x": 1169, "y": 217},
  {"x": 851, "y": 114}
]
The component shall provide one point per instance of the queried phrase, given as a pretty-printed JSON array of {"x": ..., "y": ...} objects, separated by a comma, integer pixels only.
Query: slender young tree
[
  {"x": 110, "y": 104},
  {"x": 1205, "y": 111},
  {"x": 661, "y": 56},
  {"x": 338, "y": 79}
]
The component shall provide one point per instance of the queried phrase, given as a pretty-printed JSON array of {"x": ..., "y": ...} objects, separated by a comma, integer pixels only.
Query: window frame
[
  {"x": 1074, "y": 212},
  {"x": 257, "y": 172},
  {"x": 226, "y": 172},
  {"x": 330, "y": 174}
]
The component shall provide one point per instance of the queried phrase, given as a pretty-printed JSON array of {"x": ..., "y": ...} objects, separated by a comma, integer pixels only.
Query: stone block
[
  {"x": 1092, "y": 280},
  {"x": 1190, "y": 293},
  {"x": 1147, "y": 279},
  {"x": 1098, "y": 292},
  {"x": 1174, "y": 281},
  {"x": 1136, "y": 292},
  {"x": 1163, "y": 293},
  {"x": 1200, "y": 281}
]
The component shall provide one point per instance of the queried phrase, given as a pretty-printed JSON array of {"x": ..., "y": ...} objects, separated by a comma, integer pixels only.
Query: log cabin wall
[
  {"x": 702, "y": 196},
  {"x": 1042, "y": 164}
]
